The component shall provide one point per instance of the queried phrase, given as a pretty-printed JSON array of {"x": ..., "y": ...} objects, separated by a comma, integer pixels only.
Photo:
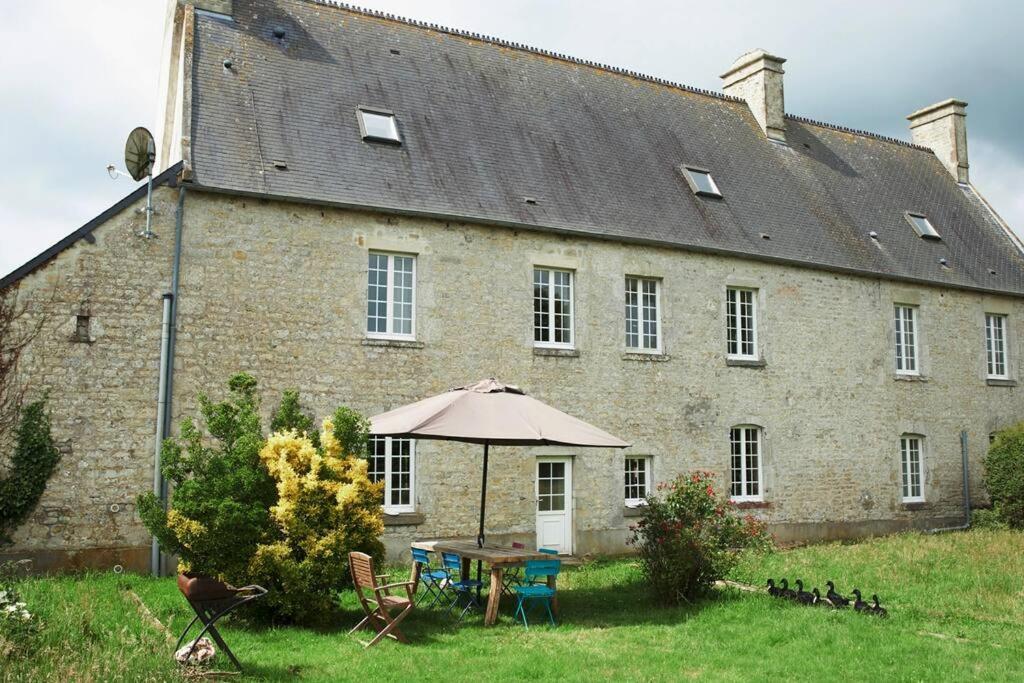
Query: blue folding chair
[
  {"x": 463, "y": 590},
  {"x": 433, "y": 580},
  {"x": 531, "y": 591}
]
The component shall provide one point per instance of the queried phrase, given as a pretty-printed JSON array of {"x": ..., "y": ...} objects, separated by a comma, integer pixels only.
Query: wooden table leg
[
  {"x": 553, "y": 585},
  {"x": 494, "y": 598}
]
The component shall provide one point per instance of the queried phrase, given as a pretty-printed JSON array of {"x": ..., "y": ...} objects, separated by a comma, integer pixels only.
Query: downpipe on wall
[
  {"x": 967, "y": 491},
  {"x": 165, "y": 388}
]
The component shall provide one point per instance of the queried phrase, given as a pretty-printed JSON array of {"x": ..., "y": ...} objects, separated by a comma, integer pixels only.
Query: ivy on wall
[{"x": 35, "y": 457}]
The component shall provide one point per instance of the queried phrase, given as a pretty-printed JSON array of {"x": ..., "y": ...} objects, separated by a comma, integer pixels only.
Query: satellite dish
[{"x": 139, "y": 153}]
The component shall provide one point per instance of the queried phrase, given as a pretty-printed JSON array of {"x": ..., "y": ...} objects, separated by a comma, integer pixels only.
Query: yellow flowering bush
[{"x": 326, "y": 507}]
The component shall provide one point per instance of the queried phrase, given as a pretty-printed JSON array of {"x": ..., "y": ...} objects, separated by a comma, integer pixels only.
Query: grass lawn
[{"x": 956, "y": 613}]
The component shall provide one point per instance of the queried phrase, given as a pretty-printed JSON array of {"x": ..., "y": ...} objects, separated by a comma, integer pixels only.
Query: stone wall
[{"x": 279, "y": 290}]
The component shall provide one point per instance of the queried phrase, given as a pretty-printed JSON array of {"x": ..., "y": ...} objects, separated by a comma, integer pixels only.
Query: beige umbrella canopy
[{"x": 487, "y": 413}]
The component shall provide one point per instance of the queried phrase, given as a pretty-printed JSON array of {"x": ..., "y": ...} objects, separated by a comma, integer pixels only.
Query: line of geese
[{"x": 831, "y": 599}]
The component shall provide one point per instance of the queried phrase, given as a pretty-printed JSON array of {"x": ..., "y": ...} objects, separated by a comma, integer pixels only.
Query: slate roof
[{"x": 486, "y": 123}]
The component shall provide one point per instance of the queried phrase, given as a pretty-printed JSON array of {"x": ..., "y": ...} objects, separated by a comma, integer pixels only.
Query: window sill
[
  {"x": 635, "y": 511},
  {"x": 910, "y": 378},
  {"x": 404, "y": 518},
  {"x": 752, "y": 505},
  {"x": 555, "y": 353},
  {"x": 745, "y": 362},
  {"x": 393, "y": 343},
  {"x": 643, "y": 356},
  {"x": 914, "y": 505},
  {"x": 996, "y": 382}
]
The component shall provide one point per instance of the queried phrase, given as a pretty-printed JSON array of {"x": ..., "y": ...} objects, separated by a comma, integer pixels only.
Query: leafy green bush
[
  {"x": 1004, "y": 475},
  {"x": 35, "y": 457},
  {"x": 987, "y": 518},
  {"x": 282, "y": 512},
  {"x": 692, "y": 537},
  {"x": 221, "y": 493}
]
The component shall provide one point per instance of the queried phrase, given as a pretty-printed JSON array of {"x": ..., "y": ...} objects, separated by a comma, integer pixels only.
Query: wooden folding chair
[{"x": 377, "y": 600}]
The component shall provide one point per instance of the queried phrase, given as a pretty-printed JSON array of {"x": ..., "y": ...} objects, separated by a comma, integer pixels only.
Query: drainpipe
[
  {"x": 166, "y": 382},
  {"x": 967, "y": 491},
  {"x": 161, "y": 412}
]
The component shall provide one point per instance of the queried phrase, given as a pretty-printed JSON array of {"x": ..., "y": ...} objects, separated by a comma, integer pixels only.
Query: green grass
[{"x": 955, "y": 600}]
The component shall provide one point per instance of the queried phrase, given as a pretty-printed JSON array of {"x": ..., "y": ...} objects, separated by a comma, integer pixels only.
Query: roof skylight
[
  {"x": 922, "y": 225},
  {"x": 379, "y": 125},
  {"x": 700, "y": 181}
]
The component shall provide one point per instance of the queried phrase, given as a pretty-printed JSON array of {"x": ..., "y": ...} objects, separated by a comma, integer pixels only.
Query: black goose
[
  {"x": 802, "y": 596},
  {"x": 836, "y": 599},
  {"x": 785, "y": 591},
  {"x": 818, "y": 600},
  {"x": 773, "y": 590},
  {"x": 859, "y": 604},
  {"x": 877, "y": 609}
]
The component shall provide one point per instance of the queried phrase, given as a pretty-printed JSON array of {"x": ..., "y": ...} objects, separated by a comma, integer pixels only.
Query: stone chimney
[
  {"x": 942, "y": 127},
  {"x": 757, "y": 78}
]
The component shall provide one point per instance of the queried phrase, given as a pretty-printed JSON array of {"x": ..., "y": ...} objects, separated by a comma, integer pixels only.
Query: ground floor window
[
  {"x": 391, "y": 461},
  {"x": 910, "y": 462},
  {"x": 638, "y": 480},
  {"x": 745, "y": 463}
]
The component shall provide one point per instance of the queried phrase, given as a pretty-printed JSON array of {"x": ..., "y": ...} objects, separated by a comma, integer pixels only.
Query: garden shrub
[
  {"x": 283, "y": 511},
  {"x": 18, "y": 626},
  {"x": 690, "y": 536},
  {"x": 327, "y": 506},
  {"x": 1004, "y": 475},
  {"x": 35, "y": 457},
  {"x": 221, "y": 494}
]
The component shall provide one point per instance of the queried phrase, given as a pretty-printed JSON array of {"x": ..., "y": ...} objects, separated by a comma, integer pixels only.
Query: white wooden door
[{"x": 554, "y": 504}]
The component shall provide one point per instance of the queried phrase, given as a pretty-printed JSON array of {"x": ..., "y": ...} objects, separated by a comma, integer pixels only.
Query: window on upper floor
[
  {"x": 906, "y": 336},
  {"x": 700, "y": 181},
  {"x": 390, "y": 296},
  {"x": 392, "y": 460},
  {"x": 638, "y": 480},
  {"x": 741, "y": 323},
  {"x": 643, "y": 315},
  {"x": 378, "y": 125},
  {"x": 552, "y": 308},
  {"x": 911, "y": 468},
  {"x": 995, "y": 346},
  {"x": 745, "y": 463},
  {"x": 922, "y": 226}
]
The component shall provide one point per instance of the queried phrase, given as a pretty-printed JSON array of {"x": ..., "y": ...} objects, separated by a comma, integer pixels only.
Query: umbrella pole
[{"x": 483, "y": 508}]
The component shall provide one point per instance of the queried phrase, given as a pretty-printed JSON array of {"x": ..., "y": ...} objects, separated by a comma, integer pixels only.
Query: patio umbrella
[{"x": 490, "y": 413}]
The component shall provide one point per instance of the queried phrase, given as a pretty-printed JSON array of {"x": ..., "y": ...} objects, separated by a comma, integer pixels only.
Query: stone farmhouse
[{"x": 373, "y": 210}]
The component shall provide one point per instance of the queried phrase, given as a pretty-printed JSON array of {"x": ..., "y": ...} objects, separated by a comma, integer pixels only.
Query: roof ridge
[
  {"x": 857, "y": 131},
  {"x": 525, "y": 48}
]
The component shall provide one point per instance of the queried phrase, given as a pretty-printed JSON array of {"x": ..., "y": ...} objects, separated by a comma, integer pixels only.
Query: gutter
[
  {"x": 967, "y": 492},
  {"x": 165, "y": 390},
  {"x": 608, "y": 237}
]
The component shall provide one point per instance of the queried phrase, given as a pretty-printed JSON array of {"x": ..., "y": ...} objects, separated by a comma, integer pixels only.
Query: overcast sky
[{"x": 77, "y": 76}]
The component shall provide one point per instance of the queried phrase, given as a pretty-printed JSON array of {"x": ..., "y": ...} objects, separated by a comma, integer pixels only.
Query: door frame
[{"x": 570, "y": 503}]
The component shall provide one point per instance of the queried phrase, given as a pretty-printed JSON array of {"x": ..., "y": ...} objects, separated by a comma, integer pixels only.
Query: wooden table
[{"x": 498, "y": 557}]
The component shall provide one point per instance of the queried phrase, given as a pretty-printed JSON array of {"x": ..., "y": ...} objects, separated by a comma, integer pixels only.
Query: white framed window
[
  {"x": 741, "y": 323},
  {"x": 637, "y": 480},
  {"x": 552, "y": 308},
  {"x": 391, "y": 296},
  {"x": 905, "y": 326},
  {"x": 392, "y": 460},
  {"x": 643, "y": 314},
  {"x": 995, "y": 346},
  {"x": 911, "y": 468},
  {"x": 378, "y": 125},
  {"x": 745, "y": 463}
]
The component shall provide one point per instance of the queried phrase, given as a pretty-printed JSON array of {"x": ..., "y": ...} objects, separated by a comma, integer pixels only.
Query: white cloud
[
  {"x": 999, "y": 176},
  {"x": 77, "y": 76}
]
